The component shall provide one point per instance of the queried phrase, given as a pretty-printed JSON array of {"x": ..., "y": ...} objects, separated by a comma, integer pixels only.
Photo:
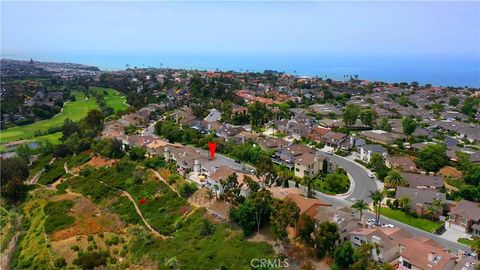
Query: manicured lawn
[
  {"x": 75, "y": 111},
  {"x": 332, "y": 183},
  {"x": 465, "y": 241},
  {"x": 114, "y": 98},
  {"x": 421, "y": 223}
]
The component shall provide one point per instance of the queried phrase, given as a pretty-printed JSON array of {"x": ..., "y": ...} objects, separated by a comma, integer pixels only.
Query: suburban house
[
  {"x": 465, "y": 217},
  {"x": 113, "y": 130},
  {"x": 420, "y": 199},
  {"x": 270, "y": 143},
  {"x": 343, "y": 217},
  {"x": 288, "y": 155},
  {"x": 317, "y": 133},
  {"x": 405, "y": 164},
  {"x": 378, "y": 136},
  {"x": 422, "y": 181},
  {"x": 228, "y": 132},
  {"x": 423, "y": 255},
  {"x": 308, "y": 206},
  {"x": 386, "y": 241},
  {"x": 366, "y": 151},
  {"x": 335, "y": 139},
  {"x": 244, "y": 136},
  {"x": 311, "y": 165}
]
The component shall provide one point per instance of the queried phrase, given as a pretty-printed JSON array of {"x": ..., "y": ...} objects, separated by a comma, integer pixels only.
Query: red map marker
[
  {"x": 142, "y": 201},
  {"x": 212, "y": 147}
]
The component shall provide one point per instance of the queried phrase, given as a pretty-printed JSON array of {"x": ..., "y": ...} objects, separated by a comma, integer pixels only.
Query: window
[{"x": 407, "y": 264}]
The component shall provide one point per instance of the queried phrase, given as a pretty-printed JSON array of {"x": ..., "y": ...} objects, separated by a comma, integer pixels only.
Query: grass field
[
  {"x": 75, "y": 111},
  {"x": 114, "y": 99},
  {"x": 421, "y": 223}
]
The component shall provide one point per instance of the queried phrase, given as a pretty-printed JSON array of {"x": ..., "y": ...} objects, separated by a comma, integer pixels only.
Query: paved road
[{"x": 363, "y": 183}]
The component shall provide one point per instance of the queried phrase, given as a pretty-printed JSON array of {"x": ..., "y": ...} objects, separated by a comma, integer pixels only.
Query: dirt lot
[{"x": 89, "y": 218}]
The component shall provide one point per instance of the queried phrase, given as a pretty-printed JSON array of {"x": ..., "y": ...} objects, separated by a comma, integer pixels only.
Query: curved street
[{"x": 363, "y": 183}]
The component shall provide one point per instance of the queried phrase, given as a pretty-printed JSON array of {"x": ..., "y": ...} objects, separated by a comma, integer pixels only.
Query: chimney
[{"x": 336, "y": 217}]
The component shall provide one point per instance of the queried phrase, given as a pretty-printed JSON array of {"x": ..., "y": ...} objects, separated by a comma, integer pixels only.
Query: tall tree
[
  {"x": 360, "y": 205},
  {"x": 231, "y": 188},
  {"x": 306, "y": 227},
  {"x": 367, "y": 116},
  {"x": 261, "y": 203},
  {"x": 284, "y": 213},
  {"x": 350, "y": 114},
  {"x": 409, "y": 125},
  {"x": 377, "y": 197},
  {"x": 14, "y": 171},
  {"x": 344, "y": 255},
  {"x": 432, "y": 157},
  {"x": 325, "y": 236}
]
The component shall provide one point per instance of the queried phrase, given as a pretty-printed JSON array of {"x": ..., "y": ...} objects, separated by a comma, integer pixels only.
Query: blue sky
[{"x": 346, "y": 28}]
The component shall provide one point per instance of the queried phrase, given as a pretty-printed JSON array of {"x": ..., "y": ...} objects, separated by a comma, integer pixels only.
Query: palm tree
[
  {"x": 377, "y": 198},
  {"x": 308, "y": 181},
  {"x": 434, "y": 208},
  {"x": 360, "y": 205},
  {"x": 395, "y": 179},
  {"x": 404, "y": 203}
]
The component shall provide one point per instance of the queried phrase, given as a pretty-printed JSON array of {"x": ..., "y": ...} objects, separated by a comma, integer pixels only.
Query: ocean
[{"x": 437, "y": 70}]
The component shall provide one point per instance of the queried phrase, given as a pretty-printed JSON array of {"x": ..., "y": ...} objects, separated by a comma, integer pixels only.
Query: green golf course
[
  {"x": 114, "y": 98},
  {"x": 74, "y": 110}
]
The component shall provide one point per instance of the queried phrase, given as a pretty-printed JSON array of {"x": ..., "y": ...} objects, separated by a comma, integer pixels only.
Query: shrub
[
  {"x": 75, "y": 248},
  {"x": 90, "y": 260},
  {"x": 187, "y": 190},
  {"x": 112, "y": 241},
  {"x": 60, "y": 262}
]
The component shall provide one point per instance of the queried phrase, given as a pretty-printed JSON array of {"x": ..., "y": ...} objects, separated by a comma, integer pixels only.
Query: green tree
[
  {"x": 244, "y": 216},
  {"x": 207, "y": 228},
  {"x": 453, "y": 101},
  {"x": 24, "y": 152},
  {"x": 377, "y": 197},
  {"x": 283, "y": 214},
  {"x": 376, "y": 161},
  {"x": 231, "y": 188},
  {"x": 261, "y": 203},
  {"x": 409, "y": 125},
  {"x": 306, "y": 227},
  {"x": 395, "y": 179},
  {"x": 137, "y": 153},
  {"x": 187, "y": 190},
  {"x": 434, "y": 209},
  {"x": 367, "y": 116},
  {"x": 259, "y": 115},
  {"x": 344, "y": 255},
  {"x": 432, "y": 157},
  {"x": 309, "y": 182},
  {"x": 360, "y": 205},
  {"x": 350, "y": 114},
  {"x": 385, "y": 125},
  {"x": 251, "y": 184},
  {"x": 14, "y": 171},
  {"x": 470, "y": 106},
  {"x": 325, "y": 237},
  {"x": 404, "y": 203}
]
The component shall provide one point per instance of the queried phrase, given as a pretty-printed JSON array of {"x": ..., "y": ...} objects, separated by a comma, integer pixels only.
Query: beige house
[
  {"x": 308, "y": 165},
  {"x": 386, "y": 241}
]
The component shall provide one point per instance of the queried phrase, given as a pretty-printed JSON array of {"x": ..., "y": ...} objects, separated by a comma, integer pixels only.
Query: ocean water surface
[{"x": 437, "y": 70}]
